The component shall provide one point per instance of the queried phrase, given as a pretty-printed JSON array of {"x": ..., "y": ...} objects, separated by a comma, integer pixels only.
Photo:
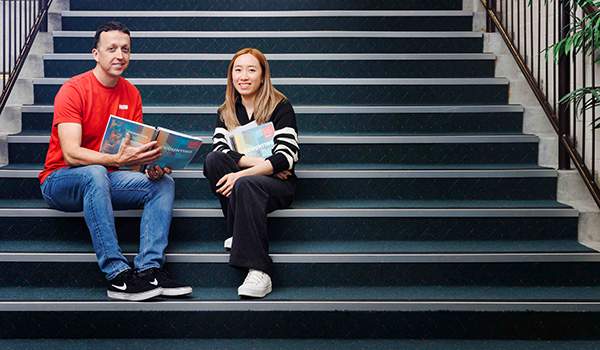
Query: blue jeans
[{"x": 98, "y": 192}]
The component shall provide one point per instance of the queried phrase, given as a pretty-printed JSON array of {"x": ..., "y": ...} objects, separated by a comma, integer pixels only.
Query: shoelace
[
  {"x": 133, "y": 279},
  {"x": 254, "y": 277}
]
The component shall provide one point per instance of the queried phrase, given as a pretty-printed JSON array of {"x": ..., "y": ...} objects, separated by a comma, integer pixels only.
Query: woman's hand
[
  {"x": 226, "y": 183},
  {"x": 283, "y": 175}
]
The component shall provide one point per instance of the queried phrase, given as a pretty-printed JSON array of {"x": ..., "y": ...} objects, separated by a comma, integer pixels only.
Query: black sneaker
[
  {"x": 160, "y": 277},
  {"x": 128, "y": 286}
]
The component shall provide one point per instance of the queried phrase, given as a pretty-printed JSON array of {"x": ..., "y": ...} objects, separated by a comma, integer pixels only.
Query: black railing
[
  {"x": 529, "y": 28},
  {"x": 21, "y": 21}
]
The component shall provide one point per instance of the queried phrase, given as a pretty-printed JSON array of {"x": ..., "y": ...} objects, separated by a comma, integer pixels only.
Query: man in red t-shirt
[{"x": 77, "y": 177}]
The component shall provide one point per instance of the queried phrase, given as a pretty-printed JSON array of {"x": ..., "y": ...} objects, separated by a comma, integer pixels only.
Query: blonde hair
[{"x": 267, "y": 97}]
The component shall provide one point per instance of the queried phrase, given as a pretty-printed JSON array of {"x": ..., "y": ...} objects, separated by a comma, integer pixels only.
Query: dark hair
[{"x": 107, "y": 27}]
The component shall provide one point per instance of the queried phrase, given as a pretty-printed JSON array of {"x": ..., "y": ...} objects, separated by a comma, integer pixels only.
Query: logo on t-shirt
[{"x": 123, "y": 106}]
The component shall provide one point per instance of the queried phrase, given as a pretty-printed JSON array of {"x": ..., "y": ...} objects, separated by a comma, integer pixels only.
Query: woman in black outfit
[{"x": 249, "y": 188}]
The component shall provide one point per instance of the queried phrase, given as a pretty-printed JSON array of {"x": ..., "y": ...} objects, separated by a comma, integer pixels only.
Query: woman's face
[{"x": 246, "y": 75}]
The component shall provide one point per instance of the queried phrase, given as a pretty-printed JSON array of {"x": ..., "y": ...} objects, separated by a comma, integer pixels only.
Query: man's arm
[{"x": 69, "y": 135}]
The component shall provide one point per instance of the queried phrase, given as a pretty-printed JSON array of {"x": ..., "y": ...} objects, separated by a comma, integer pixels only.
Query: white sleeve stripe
[
  {"x": 287, "y": 130},
  {"x": 287, "y": 151},
  {"x": 221, "y": 143},
  {"x": 288, "y": 141},
  {"x": 285, "y": 136},
  {"x": 221, "y": 149},
  {"x": 291, "y": 146},
  {"x": 222, "y": 131}
]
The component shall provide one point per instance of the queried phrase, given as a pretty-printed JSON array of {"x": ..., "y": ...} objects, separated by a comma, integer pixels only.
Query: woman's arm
[
  {"x": 220, "y": 142},
  {"x": 226, "y": 182},
  {"x": 286, "y": 151}
]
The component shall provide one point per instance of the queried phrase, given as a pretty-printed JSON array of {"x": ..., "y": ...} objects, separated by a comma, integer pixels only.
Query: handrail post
[
  {"x": 490, "y": 5},
  {"x": 43, "y": 8},
  {"x": 564, "y": 79}
]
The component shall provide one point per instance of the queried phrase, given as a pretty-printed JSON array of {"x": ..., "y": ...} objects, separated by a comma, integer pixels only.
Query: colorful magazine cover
[
  {"x": 254, "y": 140},
  {"x": 116, "y": 130},
  {"x": 178, "y": 148}
]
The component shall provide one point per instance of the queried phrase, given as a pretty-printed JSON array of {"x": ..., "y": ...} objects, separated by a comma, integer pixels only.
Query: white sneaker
[
  {"x": 257, "y": 284},
  {"x": 228, "y": 242}
]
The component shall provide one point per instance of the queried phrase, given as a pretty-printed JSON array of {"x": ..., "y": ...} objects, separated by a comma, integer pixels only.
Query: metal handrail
[
  {"x": 559, "y": 115},
  {"x": 21, "y": 21}
]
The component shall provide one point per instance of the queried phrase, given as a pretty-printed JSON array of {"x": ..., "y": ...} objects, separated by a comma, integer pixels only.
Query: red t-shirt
[{"x": 84, "y": 100}]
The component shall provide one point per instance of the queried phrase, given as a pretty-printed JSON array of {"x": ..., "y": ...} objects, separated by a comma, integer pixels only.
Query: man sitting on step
[{"x": 77, "y": 177}]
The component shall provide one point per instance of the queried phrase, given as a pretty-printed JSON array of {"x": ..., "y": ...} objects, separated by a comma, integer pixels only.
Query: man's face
[{"x": 112, "y": 53}]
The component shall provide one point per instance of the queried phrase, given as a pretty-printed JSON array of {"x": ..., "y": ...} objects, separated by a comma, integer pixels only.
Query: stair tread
[
  {"x": 346, "y": 166},
  {"x": 281, "y": 34},
  {"x": 332, "y": 203},
  {"x": 41, "y": 136},
  {"x": 45, "y": 108},
  {"x": 259, "y": 14},
  {"x": 336, "y": 245},
  {"x": 296, "y": 344},
  {"x": 129, "y": 5},
  {"x": 372, "y": 293},
  {"x": 284, "y": 56}
]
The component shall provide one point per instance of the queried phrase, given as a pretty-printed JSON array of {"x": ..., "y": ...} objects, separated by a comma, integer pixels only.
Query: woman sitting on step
[{"x": 250, "y": 187}]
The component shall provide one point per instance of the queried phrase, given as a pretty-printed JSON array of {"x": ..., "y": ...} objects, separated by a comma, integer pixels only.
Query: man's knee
[
  {"x": 95, "y": 175},
  {"x": 165, "y": 185}
]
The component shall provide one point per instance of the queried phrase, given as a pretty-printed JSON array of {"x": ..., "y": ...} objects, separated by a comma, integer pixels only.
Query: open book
[
  {"x": 252, "y": 139},
  {"x": 177, "y": 149}
]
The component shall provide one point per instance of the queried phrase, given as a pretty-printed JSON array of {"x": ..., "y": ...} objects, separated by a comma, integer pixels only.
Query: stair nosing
[
  {"x": 304, "y": 109},
  {"x": 302, "y": 81},
  {"x": 286, "y": 57},
  {"x": 304, "y": 305},
  {"x": 260, "y": 14},
  {"x": 325, "y": 212},
  {"x": 325, "y": 258},
  {"x": 330, "y": 139},
  {"x": 280, "y": 34},
  {"x": 332, "y": 174}
]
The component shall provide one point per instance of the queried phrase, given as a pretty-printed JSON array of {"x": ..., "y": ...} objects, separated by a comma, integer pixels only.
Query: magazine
[
  {"x": 177, "y": 149},
  {"x": 253, "y": 140}
]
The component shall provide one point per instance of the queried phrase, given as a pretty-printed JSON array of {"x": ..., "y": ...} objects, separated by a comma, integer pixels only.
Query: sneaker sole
[
  {"x": 254, "y": 293},
  {"x": 175, "y": 292},
  {"x": 135, "y": 296}
]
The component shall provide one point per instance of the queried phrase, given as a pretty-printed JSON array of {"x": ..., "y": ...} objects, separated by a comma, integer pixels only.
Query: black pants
[{"x": 251, "y": 199}]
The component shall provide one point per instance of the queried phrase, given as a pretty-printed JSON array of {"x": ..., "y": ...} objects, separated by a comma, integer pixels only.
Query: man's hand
[
  {"x": 70, "y": 134},
  {"x": 156, "y": 173},
  {"x": 227, "y": 182},
  {"x": 129, "y": 155}
]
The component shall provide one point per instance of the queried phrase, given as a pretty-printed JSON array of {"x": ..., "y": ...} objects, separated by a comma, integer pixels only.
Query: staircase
[{"x": 421, "y": 220}]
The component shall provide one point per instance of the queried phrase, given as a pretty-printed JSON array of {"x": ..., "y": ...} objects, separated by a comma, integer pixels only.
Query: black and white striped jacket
[{"x": 285, "y": 150}]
